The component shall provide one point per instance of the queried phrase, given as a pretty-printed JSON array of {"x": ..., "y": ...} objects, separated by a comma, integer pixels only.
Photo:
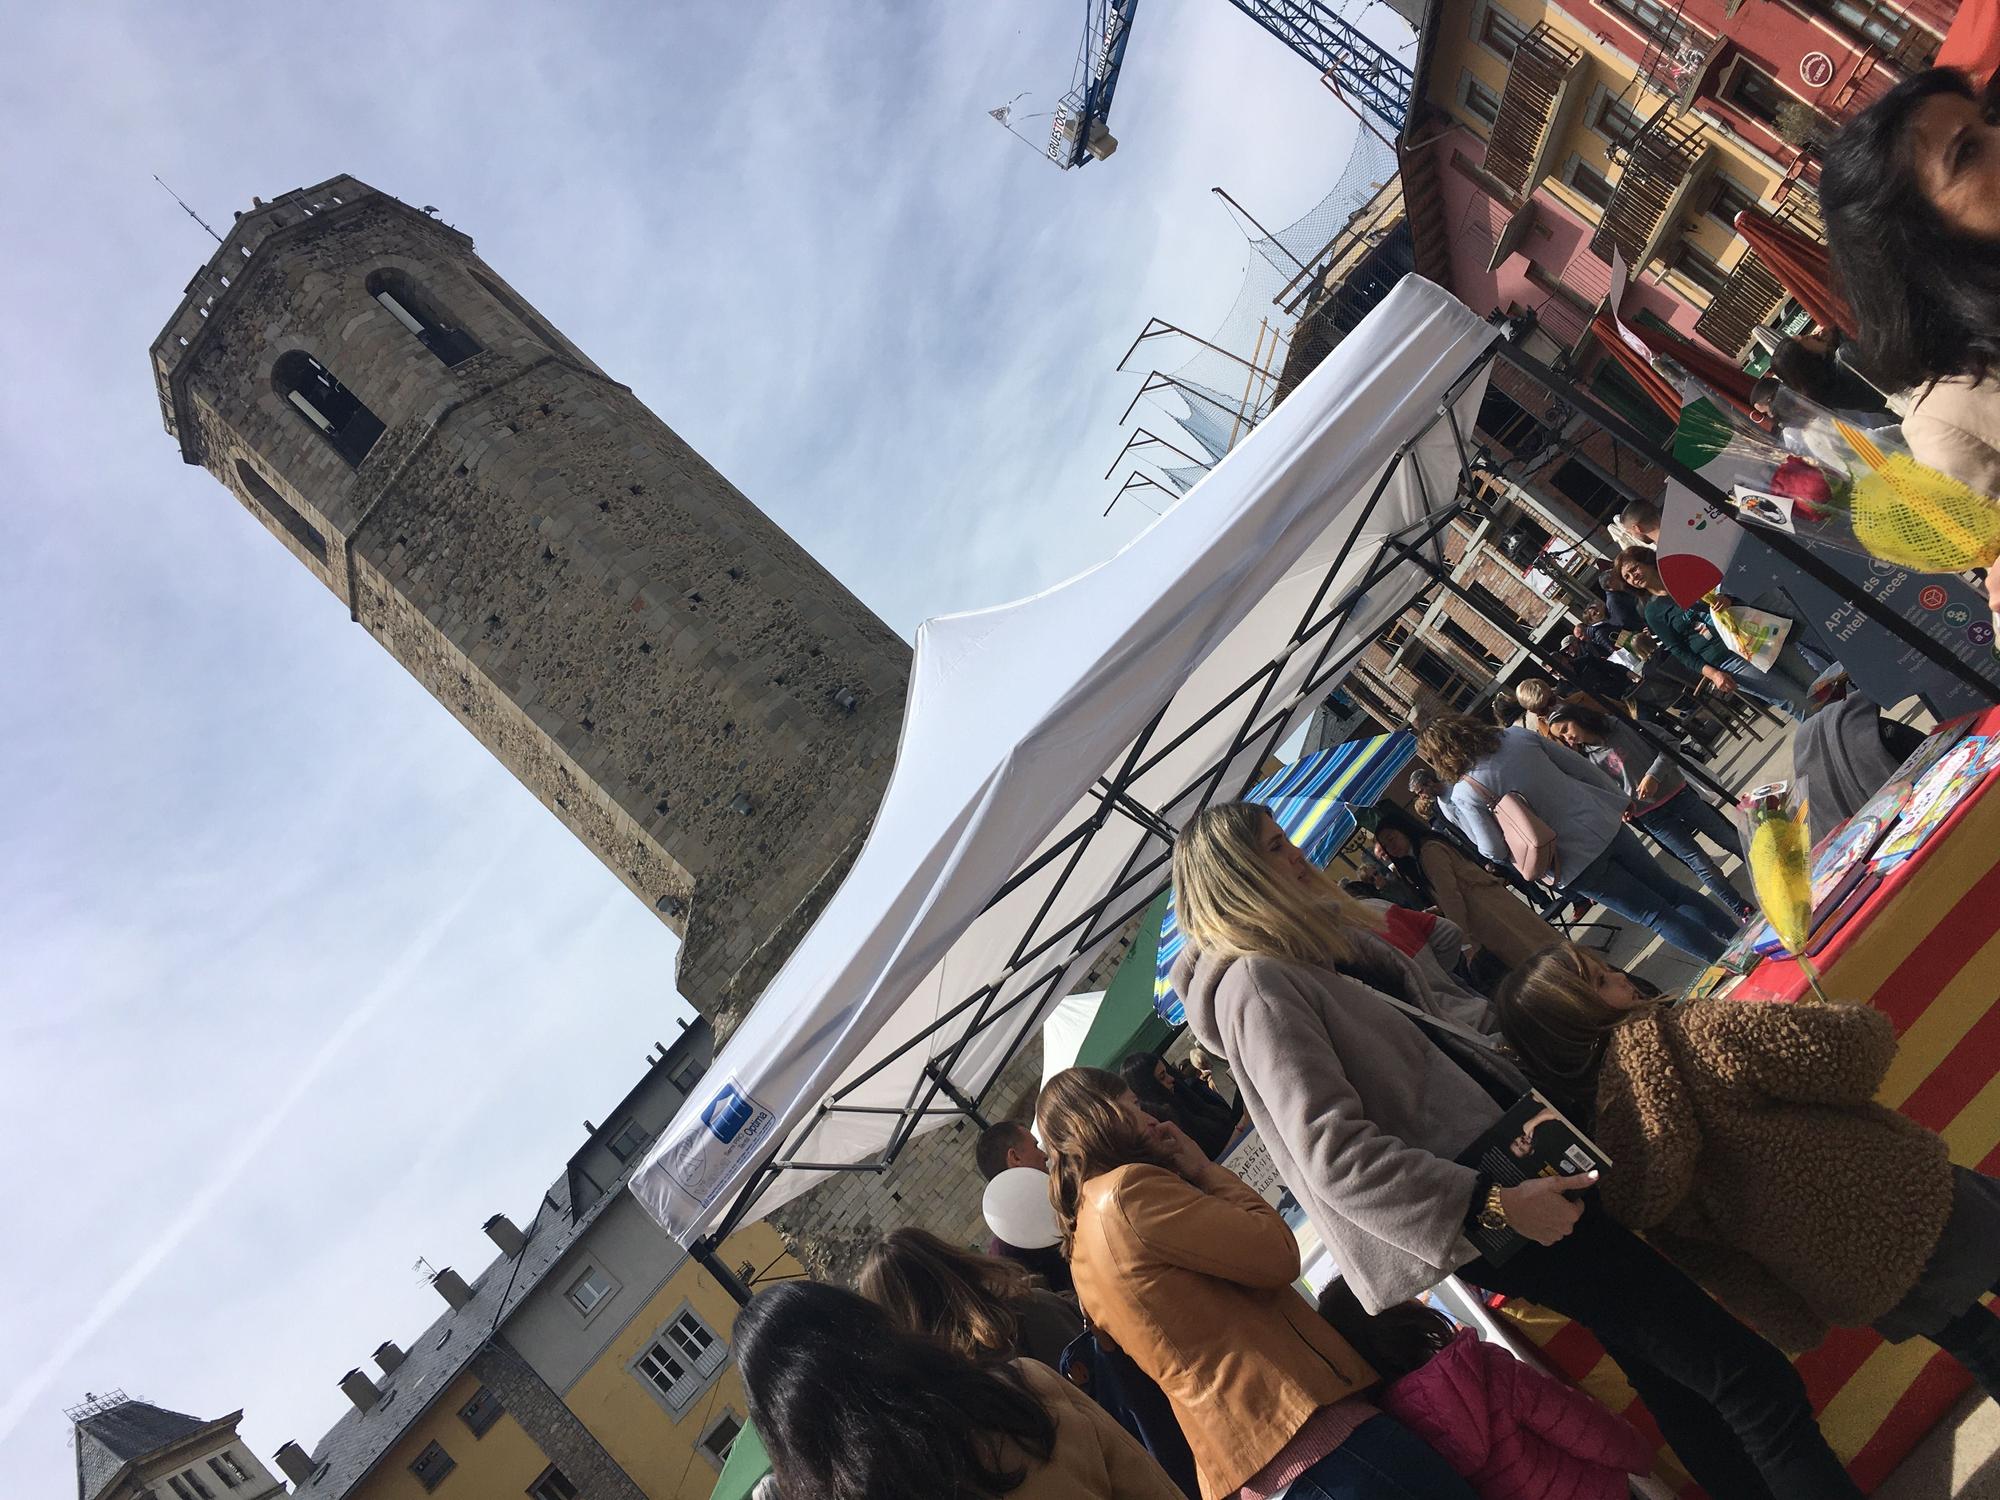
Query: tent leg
[{"x": 703, "y": 1251}]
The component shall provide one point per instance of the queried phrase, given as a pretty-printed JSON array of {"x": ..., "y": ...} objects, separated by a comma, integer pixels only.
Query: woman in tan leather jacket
[
  {"x": 1191, "y": 1273},
  {"x": 853, "y": 1408}
]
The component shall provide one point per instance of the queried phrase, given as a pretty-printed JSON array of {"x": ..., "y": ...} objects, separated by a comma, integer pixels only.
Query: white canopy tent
[
  {"x": 1050, "y": 749},
  {"x": 1064, "y": 1029}
]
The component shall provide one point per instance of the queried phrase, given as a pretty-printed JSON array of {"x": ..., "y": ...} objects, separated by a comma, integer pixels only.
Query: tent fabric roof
[
  {"x": 108, "y": 1440},
  {"x": 1169, "y": 672}
]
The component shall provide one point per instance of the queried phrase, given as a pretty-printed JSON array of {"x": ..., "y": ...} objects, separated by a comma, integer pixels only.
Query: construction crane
[
  {"x": 1078, "y": 133},
  {"x": 1364, "y": 74}
]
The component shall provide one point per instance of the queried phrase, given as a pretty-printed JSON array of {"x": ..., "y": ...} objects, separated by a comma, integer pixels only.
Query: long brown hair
[
  {"x": 971, "y": 1303},
  {"x": 1550, "y": 1015},
  {"x": 1231, "y": 903},
  {"x": 1086, "y": 1134},
  {"x": 1452, "y": 744}
]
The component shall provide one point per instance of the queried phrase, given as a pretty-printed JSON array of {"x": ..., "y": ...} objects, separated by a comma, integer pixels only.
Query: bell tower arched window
[
  {"x": 279, "y": 509},
  {"x": 330, "y": 408},
  {"x": 413, "y": 307}
]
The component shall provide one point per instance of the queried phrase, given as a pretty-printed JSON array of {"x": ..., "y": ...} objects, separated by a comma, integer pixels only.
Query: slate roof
[
  {"x": 109, "y": 1440},
  {"x": 440, "y": 1354}
]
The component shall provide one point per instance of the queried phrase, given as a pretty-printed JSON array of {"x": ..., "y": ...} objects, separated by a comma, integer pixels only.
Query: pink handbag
[{"x": 1531, "y": 843}]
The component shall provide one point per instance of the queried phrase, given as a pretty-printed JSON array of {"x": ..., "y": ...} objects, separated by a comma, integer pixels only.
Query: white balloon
[{"x": 1018, "y": 1210}]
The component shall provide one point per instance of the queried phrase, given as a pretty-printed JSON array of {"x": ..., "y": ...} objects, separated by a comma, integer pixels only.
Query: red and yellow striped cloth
[{"x": 1925, "y": 950}]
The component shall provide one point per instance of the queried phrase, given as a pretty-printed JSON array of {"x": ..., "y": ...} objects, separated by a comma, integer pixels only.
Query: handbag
[
  {"x": 1753, "y": 634},
  {"x": 1531, "y": 843},
  {"x": 1102, "y": 1371}
]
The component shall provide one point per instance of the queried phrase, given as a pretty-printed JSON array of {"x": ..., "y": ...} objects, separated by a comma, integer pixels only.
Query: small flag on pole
[{"x": 1003, "y": 113}]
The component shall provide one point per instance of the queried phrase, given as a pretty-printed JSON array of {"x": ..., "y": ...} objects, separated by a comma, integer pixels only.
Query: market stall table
[{"x": 1920, "y": 940}]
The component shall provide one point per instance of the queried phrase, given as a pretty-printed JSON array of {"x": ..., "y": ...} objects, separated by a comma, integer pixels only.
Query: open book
[{"x": 1533, "y": 1139}]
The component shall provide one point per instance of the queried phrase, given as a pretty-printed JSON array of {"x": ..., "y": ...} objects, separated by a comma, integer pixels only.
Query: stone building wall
[
  {"x": 666, "y": 670},
  {"x": 555, "y": 1429}
]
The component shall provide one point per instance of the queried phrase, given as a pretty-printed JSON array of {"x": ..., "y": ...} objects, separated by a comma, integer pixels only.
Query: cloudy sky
[{"x": 298, "y": 984}]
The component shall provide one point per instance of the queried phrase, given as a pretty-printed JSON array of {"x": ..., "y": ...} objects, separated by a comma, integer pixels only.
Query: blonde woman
[
  {"x": 1191, "y": 1273},
  {"x": 1365, "y": 1113},
  {"x": 1749, "y": 1147},
  {"x": 980, "y": 1306},
  {"x": 1597, "y": 856}
]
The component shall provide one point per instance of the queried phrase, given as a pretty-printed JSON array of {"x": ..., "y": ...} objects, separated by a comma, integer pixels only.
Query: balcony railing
[
  {"x": 1543, "y": 75},
  {"x": 1660, "y": 163},
  {"x": 1750, "y": 296}
]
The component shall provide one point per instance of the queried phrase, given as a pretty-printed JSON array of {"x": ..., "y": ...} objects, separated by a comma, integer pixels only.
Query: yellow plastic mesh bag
[{"x": 1917, "y": 518}]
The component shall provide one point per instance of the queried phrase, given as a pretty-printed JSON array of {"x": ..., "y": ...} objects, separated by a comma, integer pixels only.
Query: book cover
[{"x": 1533, "y": 1139}]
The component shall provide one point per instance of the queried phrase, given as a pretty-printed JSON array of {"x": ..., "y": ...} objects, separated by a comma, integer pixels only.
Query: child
[
  {"x": 1748, "y": 1147},
  {"x": 1511, "y": 1431}
]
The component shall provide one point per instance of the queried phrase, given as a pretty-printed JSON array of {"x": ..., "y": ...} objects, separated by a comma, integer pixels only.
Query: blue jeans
[
  {"x": 1787, "y": 687},
  {"x": 1381, "y": 1460},
  {"x": 1624, "y": 879},
  {"x": 1675, "y": 822}
]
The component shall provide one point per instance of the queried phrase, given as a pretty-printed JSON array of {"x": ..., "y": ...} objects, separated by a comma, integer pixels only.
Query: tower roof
[{"x": 108, "y": 1440}]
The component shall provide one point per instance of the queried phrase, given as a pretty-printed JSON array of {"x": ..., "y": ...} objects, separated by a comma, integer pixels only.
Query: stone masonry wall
[
  {"x": 553, "y": 1426},
  {"x": 665, "y": 669}
]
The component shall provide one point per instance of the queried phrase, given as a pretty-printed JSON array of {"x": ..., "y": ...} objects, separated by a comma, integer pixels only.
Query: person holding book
[
  {"x": 1747, "y": 1145},
  {"x": 1369, "y": 1091},
  {"x": 1190, "y": 1271},
  {"x": 1513, "y": 1432},
  {"x": 1689, "y": 636}
]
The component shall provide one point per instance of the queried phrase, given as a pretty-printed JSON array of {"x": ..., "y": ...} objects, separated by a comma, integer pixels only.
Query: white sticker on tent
[{"x": 729, "y": 1128}]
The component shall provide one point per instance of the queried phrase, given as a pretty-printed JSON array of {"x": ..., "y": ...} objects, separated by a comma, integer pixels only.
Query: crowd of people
[{"x": 1371, "y": 1031}]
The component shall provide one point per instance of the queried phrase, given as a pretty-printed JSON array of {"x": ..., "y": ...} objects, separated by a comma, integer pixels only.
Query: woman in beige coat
[
  {"x": 1911, "y": 190},
  {"x": 852, "y": 1408},
  {"x": 1747, "y": 1145}
]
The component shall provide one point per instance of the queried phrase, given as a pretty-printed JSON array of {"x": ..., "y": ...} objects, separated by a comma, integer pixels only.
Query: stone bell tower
[{"x": 669, "y": 673}]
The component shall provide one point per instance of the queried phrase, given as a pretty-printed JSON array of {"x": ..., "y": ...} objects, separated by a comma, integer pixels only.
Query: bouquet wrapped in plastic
[{"x": 1777, "y": 849}]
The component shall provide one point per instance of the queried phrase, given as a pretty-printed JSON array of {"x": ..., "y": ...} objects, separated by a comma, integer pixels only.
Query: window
[
  {"x": 1480, "y": 101},
  {"x": 720, "y": 1437},
  {"x": 1756, "y": 93},
  {"x": 1576, "y": 482},
  {"x": 431, "y": 1466},
  {"x": 1501, "y": 32},
  {"x": 413, "y": 307},
  {"x": 200, "y": 1490},
  {"x": 178, "y": 1483},
  {"x": 228, "y": 1470},
  {"x": 1475, "y": 649},
  {"x": 330, "y": 408},
  {"x": 1615, "y": 120},
  {"x": 679, "y": 1363},
  {"x": 1648, "y": 17},
  {"x": 553, "y": 1485},
  {"x": 1590, "y": 184},
  {"x": 689, "y": 1075},
  {"x": 280, "y": 510},
  {"x": 1701, "y": 269},
  {"x": 628, "y": 1142},
  {"x": 1727, "y": 198},
  {"x": 1510, "y": 424},
  {"x": 1878, "y": 23},
  {"x": 589, "y": 1289},
  {"x": 481, "y": 1412}
]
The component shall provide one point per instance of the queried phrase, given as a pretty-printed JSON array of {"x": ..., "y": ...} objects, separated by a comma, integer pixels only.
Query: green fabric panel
[
  {"x": 748, "y": 1463},
  {"x": 1126, "y": 1021}
]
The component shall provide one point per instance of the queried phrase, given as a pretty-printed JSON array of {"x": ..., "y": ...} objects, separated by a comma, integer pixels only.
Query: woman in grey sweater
[
  {"x": 1597, "y": 856},
  {"x": 1366, "y": 1113},
  {"x": 1661, "y": 802}
]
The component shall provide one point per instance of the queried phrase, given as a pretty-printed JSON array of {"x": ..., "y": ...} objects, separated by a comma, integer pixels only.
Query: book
[{"x": 1532, "y": 1139}]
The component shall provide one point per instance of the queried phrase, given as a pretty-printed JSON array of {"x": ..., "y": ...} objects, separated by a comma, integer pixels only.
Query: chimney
[
  {"x": 360, "y": 1389},
  {"x": 500, "y": 1229},
  {"x": 451, "y": 1286},
  {"x": 298, "y": 1466},
  {"x": 388, "y": 1356}
]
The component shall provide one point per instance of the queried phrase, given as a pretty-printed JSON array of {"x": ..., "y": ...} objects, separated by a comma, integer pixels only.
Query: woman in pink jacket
[{"x": 1510, "y": 1431}]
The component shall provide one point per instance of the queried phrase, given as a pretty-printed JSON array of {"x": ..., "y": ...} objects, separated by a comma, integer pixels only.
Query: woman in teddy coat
[{"x": 1746, "y": 1145}]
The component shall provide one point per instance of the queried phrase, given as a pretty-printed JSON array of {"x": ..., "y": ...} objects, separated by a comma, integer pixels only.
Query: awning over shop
[{"x": 1050, "y": 749}]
